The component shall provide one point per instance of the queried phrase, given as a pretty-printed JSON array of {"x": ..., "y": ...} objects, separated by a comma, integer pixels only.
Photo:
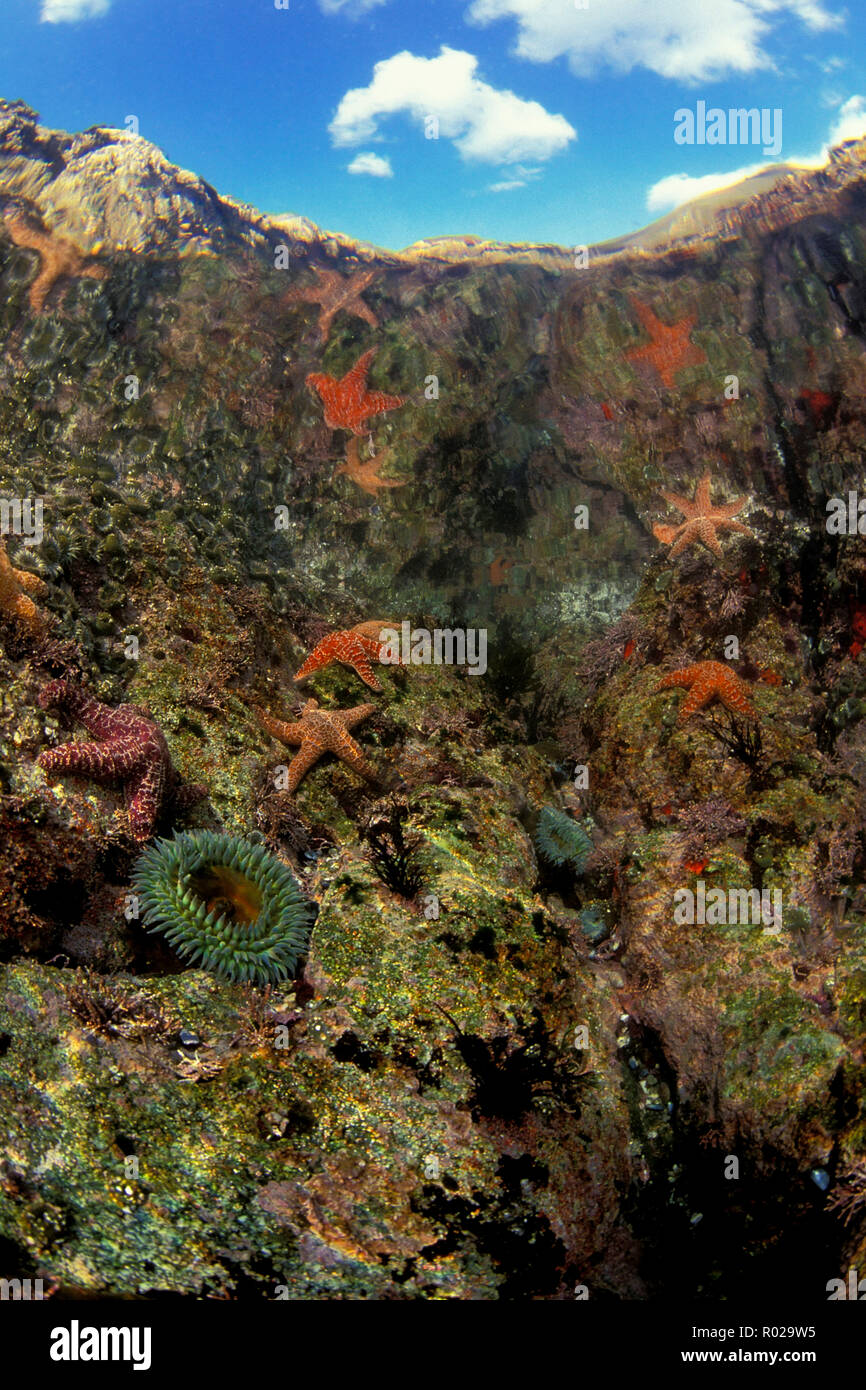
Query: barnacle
[
  {"x": 560, "y": 840},
  {"x": 225, "y": 903}
]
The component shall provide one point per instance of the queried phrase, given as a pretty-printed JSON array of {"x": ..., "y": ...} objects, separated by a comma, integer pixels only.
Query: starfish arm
[
  {"x": 356, "y": 377},
  {"x": 326, "y": 318},
  {"x": 351, "y": 718},
  {"x": 375, "y": 402},
  {"x": 364, "y": 312},
  {"x": 144, "y": 799},
  {"x": 682, "y": 504},
  {"x": 375, "y": 483},
  {"x": 703, "y": 504},
  {"x": 707, "y": 535},
  {"x": 365, "y": 671},
  {"x": 300, "y": 765},
  {"x": 736, "y": 694},
  {"x": 700, "y": 694},
  {"x": 739, "y": 703},
  {"x": 291, "y": 733},
  {"x": 646, "y": 315},
  {"x": 314, "y": 662},
  {"x": 727, "y": 525},
  {"x": 73, "y": 700},
  {"x": 25, "y": 610},
  {"x": 81, "y": 760},
  {"x": 687, "y": 536},
  {"x": 349, "y": 752},
  {"x": 731, "y": 508},
  {"x": 31, "y": 582},
  {"x": 686, "y": 677},
  {"x": 40, "y": 290}
]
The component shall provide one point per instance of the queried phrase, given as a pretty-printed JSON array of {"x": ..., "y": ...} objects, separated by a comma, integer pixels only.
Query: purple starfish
[{"x": 130, "y": 749}]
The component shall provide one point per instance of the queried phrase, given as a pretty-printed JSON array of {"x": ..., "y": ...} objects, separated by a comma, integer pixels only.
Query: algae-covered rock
[{"x": 505, "y": 1070}]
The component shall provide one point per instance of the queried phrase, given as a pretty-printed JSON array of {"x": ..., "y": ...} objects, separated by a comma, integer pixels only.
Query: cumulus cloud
[
  {"x": 485, "y": 123},
  {"x": 676, "y": 189},
  {"x": 850, "y": 123},
  {"x": 67, "y": 11},
  {"x": 688, "y": 40},
  {"x": 374, "y": 164}
]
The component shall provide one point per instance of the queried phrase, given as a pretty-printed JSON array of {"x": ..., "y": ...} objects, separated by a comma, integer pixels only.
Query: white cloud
[
  {"x": 676, "y": 189},
  {"x": 521, "y": 177},
  {"x": 851, "y": 122},
  {"x": 67, "y": 11},
  {"x": 349, "y": 7},
  {"x": 688, "y": 40},
  {"x": 371, "y": 164},
  {"x": 484, "y": 123}
]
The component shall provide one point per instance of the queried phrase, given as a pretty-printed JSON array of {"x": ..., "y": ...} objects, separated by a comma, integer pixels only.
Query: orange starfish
[
  {"x": 354, "y": 646},
  {"x": 702, "y": 522},
  {"x": 670, "y": 348},
  {"x": 320, "y": 731},
  {"x": 706, "y": 681},
  {"x": 14, "y": 603},
  {"x": 334, "y": 292},
  {"x": 366, "y": 475},
  {"x": 348, "y": 404},
  {"x": 58, "y": 258}
]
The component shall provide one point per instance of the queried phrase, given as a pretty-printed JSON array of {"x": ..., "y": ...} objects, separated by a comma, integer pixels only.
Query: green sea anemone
[
  {"x": 560, "y": 840},
  {"x": 225, "y": 903}
]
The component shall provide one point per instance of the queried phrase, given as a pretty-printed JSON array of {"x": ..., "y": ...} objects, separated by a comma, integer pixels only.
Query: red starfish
[
  {"x": 702, "y": 520},
  {"x": 130, "y": 748},
  {"x": 670, "y": 348},
  {"x": 348, "y": 403},
  {"x": 354, "y": 646},
  {"x": 706, "y": 681}
]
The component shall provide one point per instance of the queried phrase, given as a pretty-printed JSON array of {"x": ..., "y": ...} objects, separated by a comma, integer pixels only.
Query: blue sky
[{"x": 555, "y": 122}]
